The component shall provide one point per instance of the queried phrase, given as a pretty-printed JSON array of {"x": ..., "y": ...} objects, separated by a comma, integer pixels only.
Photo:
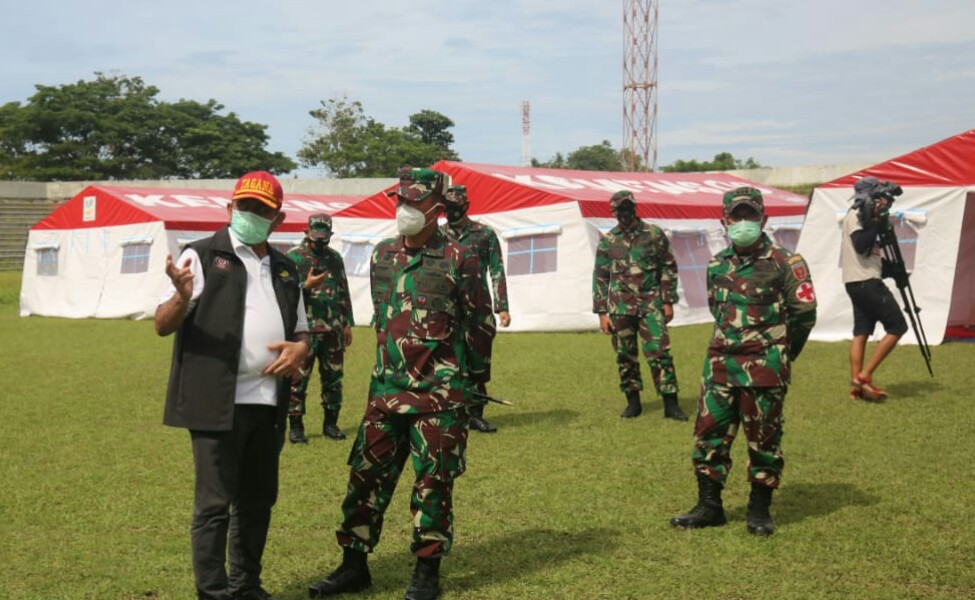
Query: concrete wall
[
  {"x": 796, "y": 176},
  {"x": 327, "y": 187}
]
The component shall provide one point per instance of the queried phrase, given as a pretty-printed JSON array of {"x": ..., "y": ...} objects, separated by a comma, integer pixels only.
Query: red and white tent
[
  {"x": 550, "y": 220},
  {"x": 102, "y": 253},
  {"x": 935, "y": 224}
]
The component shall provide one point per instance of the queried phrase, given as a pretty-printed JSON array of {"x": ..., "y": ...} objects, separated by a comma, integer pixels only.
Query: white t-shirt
[
  {"x": 857, "y": 267},
  {"x": 262, "y": 321}
]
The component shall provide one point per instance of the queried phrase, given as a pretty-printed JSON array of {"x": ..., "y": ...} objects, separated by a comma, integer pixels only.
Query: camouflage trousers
[
  {"x": 719, "y": 411},
  {"x": 436, "y": 443},
  {"x": 329, "y": 351},
  {"x": 653, "y": 332}
]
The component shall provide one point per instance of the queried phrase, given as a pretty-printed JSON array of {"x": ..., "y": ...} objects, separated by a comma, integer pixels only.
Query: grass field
[{"x": 566, "y": 501}]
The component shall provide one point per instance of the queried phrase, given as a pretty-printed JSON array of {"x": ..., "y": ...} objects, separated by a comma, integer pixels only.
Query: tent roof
[
  {"x": 186, "y": 209},
  {"x": 947, "y": 163},
  {"x": 497, "y": 188}
]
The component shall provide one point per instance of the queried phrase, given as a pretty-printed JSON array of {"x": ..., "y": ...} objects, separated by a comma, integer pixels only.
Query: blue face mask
[
  {"x": 744, "y": 233},
  {"x": 249, "y": 228}
]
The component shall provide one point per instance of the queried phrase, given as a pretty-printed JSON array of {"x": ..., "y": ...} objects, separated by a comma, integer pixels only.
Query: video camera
[{"x": 866, "y": 193}]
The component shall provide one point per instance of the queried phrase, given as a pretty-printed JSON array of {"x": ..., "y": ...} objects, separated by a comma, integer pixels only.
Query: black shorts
[{"x": 873, "y": 302}]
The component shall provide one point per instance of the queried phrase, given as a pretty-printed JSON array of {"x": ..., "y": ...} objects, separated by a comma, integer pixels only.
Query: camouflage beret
[
  {"x": 620, "y": 197},
  {"x": 457, "y": 194},
  {"x": 416, "y": 184},
  {"x": 319, "y": 226},
  {"x": 748, "y": 196}
]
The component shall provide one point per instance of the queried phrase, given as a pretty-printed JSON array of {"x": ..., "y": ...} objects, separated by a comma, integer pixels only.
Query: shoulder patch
[
  {"x": 799, "y": 271},
  {"x": 805, "y": 293}
]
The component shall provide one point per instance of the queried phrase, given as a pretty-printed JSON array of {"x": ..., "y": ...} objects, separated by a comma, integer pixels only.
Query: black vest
[{"x": 206, "y": 352}]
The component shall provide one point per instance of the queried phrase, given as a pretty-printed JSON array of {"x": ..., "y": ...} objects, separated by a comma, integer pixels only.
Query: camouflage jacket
[
  {"x": 484, "y": 242},
  {"x": 328, "y": 306},
  {"x": 635, "y": 271},
  {"x": 433, "y": 325},
  {"x": 764, "y": 307}
]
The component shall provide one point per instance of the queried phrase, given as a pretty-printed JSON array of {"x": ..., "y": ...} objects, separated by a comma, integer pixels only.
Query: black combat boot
[
  {"x": 672, "y": 409},
  {"x": 478, "y": 423},
  {"x": 426, "y": 580},
  {"x": 709, "y": 512},
  {"x": 351, "y": 576},
  {"x": 758, "y": 518},
  {"x": 330, "y": 427},
  {"x": 633, "y": 406},
  {"x": 297, "y": 430}
]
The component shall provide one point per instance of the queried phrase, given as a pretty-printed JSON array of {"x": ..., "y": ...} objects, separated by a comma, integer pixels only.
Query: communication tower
[
  {"x": 640, "y": 85},
  {"x": 526, "y": 154}
]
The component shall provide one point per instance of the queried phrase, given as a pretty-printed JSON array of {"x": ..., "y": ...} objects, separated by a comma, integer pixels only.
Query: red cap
[{"x": 262, "y": 186}]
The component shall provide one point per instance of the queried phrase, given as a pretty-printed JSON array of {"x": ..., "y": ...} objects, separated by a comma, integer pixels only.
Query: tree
[
  {"x": 114, "y": 128},
  {"x": 348, "y": 143},
  {"x": 598, "y": 157},
  {"x": 723, "y": 161}
]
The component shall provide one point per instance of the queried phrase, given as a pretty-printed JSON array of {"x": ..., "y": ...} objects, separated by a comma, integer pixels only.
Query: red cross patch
[
  {"x": 799, "y": 271},
  {"x": 805, "y": 292}
]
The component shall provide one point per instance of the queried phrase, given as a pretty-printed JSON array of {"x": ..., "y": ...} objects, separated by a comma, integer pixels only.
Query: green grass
[{"x": 566, "y": 501}]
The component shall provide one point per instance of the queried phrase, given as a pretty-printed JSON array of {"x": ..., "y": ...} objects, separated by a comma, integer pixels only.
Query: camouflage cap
[
  {"x": 319, "y": 226},
  {"x": 748, "y": 196},
  {"x": 416, "y": 184},
  {"x": 620, "y": 197},
  {"x": 457, "y": 194}
]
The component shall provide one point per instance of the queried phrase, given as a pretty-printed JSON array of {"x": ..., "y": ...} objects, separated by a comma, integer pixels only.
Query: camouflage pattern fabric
[
  {"x": 635, "y": 271},
  {"x": 436, "y": 442},
  {"x": 328, "y": 306},
  {"x": 764, "y": 307},
  {"x": 653, "y": 333},
  {"x": 329, "y": 311},
  {"x": 720, "y": 409},
  {"x": 330, "y": 354},
  {"x": 484, "y": 242},
  {"x": 635, "y": 274},
  {"x": 434, "y": 328}
]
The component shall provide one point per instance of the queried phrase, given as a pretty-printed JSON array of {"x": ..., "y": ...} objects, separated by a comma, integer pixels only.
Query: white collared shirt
[{"x": 263, "y": 324}]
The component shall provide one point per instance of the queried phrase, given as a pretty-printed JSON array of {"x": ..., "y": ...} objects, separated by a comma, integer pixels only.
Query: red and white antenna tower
[
  {"x": 640, "y": 85},
  {"x": 526, "y": 154}
]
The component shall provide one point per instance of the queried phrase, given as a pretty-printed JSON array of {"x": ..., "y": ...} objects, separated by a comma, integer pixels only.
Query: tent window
[
  {"x": 692, "y": 253},
  {"x": 787, "y": 237},
  {"x": 356, "y": 256},
  {"x": 47, "y": 262},
  {"x": 135, "y": 258},
  {"x": 532, "y": 254}
]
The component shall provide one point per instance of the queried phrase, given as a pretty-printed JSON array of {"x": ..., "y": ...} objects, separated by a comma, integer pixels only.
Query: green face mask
[
  {"x": 249, "y": 228},
  {"x": 744, "y": 233}
]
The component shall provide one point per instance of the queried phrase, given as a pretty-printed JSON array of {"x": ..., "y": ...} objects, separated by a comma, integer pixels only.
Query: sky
[{"x": 787, "y": 83}]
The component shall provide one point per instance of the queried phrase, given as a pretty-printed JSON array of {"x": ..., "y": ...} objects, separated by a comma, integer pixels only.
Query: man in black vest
[{"x": 235, "y": 305}]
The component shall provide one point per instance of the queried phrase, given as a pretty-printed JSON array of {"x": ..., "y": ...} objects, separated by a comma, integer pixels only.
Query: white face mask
[{"x": 409, "y": 220}]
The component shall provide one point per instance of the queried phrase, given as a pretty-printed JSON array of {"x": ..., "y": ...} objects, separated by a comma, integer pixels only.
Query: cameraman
[{"x": 862, "y": 264}]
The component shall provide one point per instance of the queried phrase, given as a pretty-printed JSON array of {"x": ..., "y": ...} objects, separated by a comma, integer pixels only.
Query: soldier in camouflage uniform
[
  {"x": 764, "y": 307},
  {"x": 434, "y": 328},
  {"x": 634, "y": 288},
  {"x": 484, "y": 242},
  {"x": 329, "y": 308}
]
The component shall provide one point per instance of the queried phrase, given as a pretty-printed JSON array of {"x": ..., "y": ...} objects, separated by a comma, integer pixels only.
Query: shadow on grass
[
  {"x": 479, "y": 564},
  {"x": 558, "y": 416},
  {"x": 914, "y": 390},
  {"x": 519, "y": 553},
  {"x": 795, "y": 502}
]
